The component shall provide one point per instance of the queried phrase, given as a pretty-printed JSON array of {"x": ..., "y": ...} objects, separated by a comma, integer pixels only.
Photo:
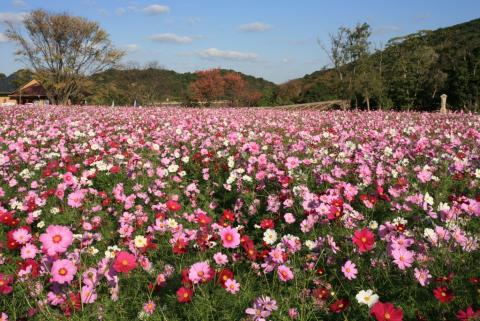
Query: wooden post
[{"x": 443, "y": 104}]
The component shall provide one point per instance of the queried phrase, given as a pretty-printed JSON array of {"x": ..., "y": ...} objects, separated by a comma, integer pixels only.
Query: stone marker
[{"x": 443, "y": 104}]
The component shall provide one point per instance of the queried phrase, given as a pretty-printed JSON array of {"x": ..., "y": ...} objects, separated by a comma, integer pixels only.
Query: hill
[
  {"x": 153, "y": 85},
  {"x": 414, "y": 70}
]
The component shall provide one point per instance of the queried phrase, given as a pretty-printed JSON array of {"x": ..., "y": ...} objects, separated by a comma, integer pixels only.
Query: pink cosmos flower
[
  {"x": 423, "y": 276},
  {"x": 149, "y": 307},
  {"x": 292, "y": 162},
  {"x": 75, "y": 199},
  {"x": 88, "y": 294},
  {"x": 3, "y": 317},
  {"x": 28, "y": 251},
  {"x": 56, "y": 240},
  {"x": 63, "y": 271},
  {"x": 230, "y": 237},
  {"x": 289, "y": 218},
  {"x": 21, "y": 236},
  {"x": 200, "y": 272},
  {"x": 349, "y": 269},
  {"x": 285, "y": 274},
  {"x": 220, "y": 258},
  {"x": 232, "y": 286},
  {"x": 403, "y": 258}
]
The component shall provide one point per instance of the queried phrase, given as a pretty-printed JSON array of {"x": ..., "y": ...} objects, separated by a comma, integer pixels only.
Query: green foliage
[{"x": 409, "y": 74}]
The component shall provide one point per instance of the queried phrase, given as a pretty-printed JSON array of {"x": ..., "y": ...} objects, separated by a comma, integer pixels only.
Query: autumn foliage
[{"x": 213, "y": 85}]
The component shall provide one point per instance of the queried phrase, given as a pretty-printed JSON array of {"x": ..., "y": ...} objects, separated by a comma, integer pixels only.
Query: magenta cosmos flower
[
  {"x": 56, "y": 240},
  {"x": 63, "y": 271},
  {"x": 230, "y": 237}
]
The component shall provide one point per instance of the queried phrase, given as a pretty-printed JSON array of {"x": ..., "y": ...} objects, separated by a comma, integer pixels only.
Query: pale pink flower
[
  {"x": 75, "y": 199},
  {"x": 292, "y": 162},
  {"x": 289, "y": 218},
  {"x": 232, "y": 286},
  {"x": 220, "y": 258},
  {"x": 349, "y": 270},
  {"x": 423, "y": 276},
  {"x": 21, "y": 236},
  {"x": 28, "y": 251},
  {"x": 88, "y": 294},
  {"x": 403, "y": 258}
]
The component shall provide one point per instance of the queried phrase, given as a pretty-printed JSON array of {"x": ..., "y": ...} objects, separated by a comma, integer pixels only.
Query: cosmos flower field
[{"x": 238, "y": 214}]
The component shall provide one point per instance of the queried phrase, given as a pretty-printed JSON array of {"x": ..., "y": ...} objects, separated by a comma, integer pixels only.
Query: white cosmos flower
[
  {"x": 270, "y": 236},
  {"x": 140, "y": 241},
  {"x": 367, "y": 297}
]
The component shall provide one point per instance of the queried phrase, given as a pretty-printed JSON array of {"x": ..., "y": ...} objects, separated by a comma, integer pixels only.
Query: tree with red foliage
[
  {"x": 234, "y": 87},
  {"x": 209, "y": 86}
]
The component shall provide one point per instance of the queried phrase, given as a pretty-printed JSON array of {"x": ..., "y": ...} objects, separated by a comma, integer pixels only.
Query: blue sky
[{"x": 273, "y": 39}]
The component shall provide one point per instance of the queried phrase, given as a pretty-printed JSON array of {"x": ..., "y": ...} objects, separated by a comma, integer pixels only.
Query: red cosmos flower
[
  {"x": 386, "y": 312},
  {"x": 321, "y": 293},
  {"x": 180, "y": 246},
  {"x": 443, "y": 294},
  {"x": 11, "y": 243},
  {"x": 115, "y": 169},
  {"x": 364, "y": 239},
  {"x": 223, "y": 276},
  {"x": 185, "y": 279},
  {"x": 203, "y": 219},
  {"x": 72, "y": 169},
  {"x": 250, "y": 250},
  {"x": 474, "y": 280},
  {"x": 5, "y": 284},
  {"x": 468, "y": 314},
  {"x": 334, "y": 212},
  {"x": 184, "y": 295},
  {"x": 9, "y": 219},
  {"x": 267, "y": 223},
  {"x": 228, "y": 215},
  {"x": 124, "y": 262},
  {"x": 339, "y": 306},
  {"x": 173, "y": 206}
]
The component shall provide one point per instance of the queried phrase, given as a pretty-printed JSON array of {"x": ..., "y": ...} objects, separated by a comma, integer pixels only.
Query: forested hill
[
  {"x": 158, "y": 85},
  {"x": 410, "y": 72}
]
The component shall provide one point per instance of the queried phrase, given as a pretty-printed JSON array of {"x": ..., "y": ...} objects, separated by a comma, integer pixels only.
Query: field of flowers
[{"x": 238, "y": 214}]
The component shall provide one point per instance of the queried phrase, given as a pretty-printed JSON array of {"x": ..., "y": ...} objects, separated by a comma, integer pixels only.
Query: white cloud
[
  {"x": 214, "y": 53},
  {"x": 19, "y": 3},
  {"x": 156, "y": 9},
  {"x": 131, "y": 47},
  {"x": 170, "y": 38},
  {"x": 3, "y": 38},
  {"x": 254, "y": 27},
  {"x": 12, "y": 17}
]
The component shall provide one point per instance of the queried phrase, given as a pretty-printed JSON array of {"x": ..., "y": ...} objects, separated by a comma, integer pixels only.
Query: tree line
[{"x": 75, "y": 61}]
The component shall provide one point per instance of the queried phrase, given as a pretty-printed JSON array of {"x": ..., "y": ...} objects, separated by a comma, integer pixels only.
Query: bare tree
[{"x": 63, "y": 50}]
